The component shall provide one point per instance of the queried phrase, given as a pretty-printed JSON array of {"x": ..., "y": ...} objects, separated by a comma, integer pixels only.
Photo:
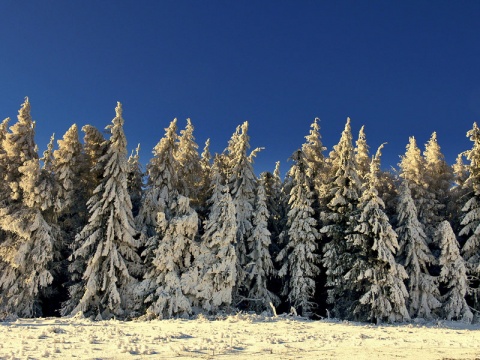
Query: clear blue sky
[{"x": 401, "y": 68}]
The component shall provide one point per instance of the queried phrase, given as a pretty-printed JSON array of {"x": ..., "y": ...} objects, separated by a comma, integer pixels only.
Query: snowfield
[{"x": 235, "y": 337}]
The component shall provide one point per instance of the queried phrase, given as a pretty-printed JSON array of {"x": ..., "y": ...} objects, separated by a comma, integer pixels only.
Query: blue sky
[{"x": 400, "y": 68}]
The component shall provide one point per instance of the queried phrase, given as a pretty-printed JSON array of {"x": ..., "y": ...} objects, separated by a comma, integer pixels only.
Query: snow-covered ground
[{"x": 235, "y": 337}]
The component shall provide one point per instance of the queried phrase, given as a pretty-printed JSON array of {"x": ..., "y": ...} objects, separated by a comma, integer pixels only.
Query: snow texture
[{"x": 238, "y": 336}]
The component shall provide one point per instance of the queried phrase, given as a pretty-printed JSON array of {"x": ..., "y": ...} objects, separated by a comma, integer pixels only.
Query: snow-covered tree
[
  {"x": 46, "y": 184},
  {"x": 70, "y": 168},
  {"x": 205, "y": 160},
  {"x": 4, "y": 129},
  {"x": 276, "y": 202},
  {"x": 277, "y": 195},
  {"x": 453, "y": 275},
  {"x": 106, "y": 246},
  {"x": 94, "y": 147},
  {"x": 3, "y": 160},
  {"x": 19, "y": 147},
  {"x": 362, "y": 156},
  {"x": 300, "y": 258},
  {"x": 416, "y": 257},
  {"x": 458, "y": 193},
  {"x": 438, "y": 179},
  {"x": 260, "y": 269},
  {"x": 471, "y": 218},
  {"x": 412, "y": 166},
  {"x": 242, "y": 183},
  {"x": 173, "y": 255},
  {"x": 313, "y": 149},
  {"x": 213, "y": 276},
  {"x": 204, "y": 188},
  {"x": 46, "y": 192},
  {"x": 413, "y": 170},
  {"x": 169, "y": 226},
  {"x": 387, "y": 190},
  {"x": 439, "y": 174},
  {"x": 189, "y": 166},
  {"x": 47, "y": 189},
  {"x": 29, "y": 237},
  {"x": 161, "y": 186},
  {"x": 135, "y": 180},
  {"x": 375, "y": 275},
  {"x": 28, "y": 249},
  {"x": 460, "y": 171},
  {"x": 342, "y": 191},
  {"x": 47, "y": 158},
  {"x": 27, "y": 255}
]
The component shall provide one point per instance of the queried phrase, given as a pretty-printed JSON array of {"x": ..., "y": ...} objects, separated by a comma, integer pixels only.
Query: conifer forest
[{"x": 86, "y": 229}]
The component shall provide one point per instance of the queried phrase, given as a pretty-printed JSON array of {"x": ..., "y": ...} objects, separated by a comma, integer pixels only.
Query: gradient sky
[{"x": 400, "y": 68}]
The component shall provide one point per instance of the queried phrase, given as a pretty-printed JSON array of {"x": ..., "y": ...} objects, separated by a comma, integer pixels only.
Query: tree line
[{"x": 84, "y": 229}]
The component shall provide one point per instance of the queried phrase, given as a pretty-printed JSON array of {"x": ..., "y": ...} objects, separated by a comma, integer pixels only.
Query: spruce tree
[
  {"x": 212, "y": 278},
  {"x": 29, "y": 234},
  {"x": 299, "y": 257},
  {"x": 460, "y": 171},
  {"x": 94, "y": 147},
  {"x": 453, "y": 276},
  {"x": 242, "y": 183},
  {"x": 19, "y": 147},
  {"x": 375, "y": 275},
  {"x": 413, "y": 170},
  {"x": 276, "y": 202},
  {"x": 342, "y": 191},
  {"x": 205, "y": 161},
  {"x": 189, "y": 165},
  {"x": 260, "y": 268},
  {"x": 416, "y": 257},
  {"x": 471, "y": 218},
  {"x": 3, "y": 136},
  {"x": 313, "y": 149},
  {"x": 361, "y": 155},
  {"x": 107, "y": 244},
  {"x": 70, "y": 168},
  {"x": 135, "y": 181},
  {"x": 29, "y": 247},
  {"x": 205, "y": 179},
  {"x": 161, "y": 187},
  {"x": 47, "y": 183},
  {"x": 458, "y": 193},
  {"x": 4, "y": 129},
  {"x": 3, "y": 163},
  {"x": 438, "y": 179},
  {"x": 169, "y": 226},
  {"x": 387, "y": 190},
  {"x": 162, "y": 283}
]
